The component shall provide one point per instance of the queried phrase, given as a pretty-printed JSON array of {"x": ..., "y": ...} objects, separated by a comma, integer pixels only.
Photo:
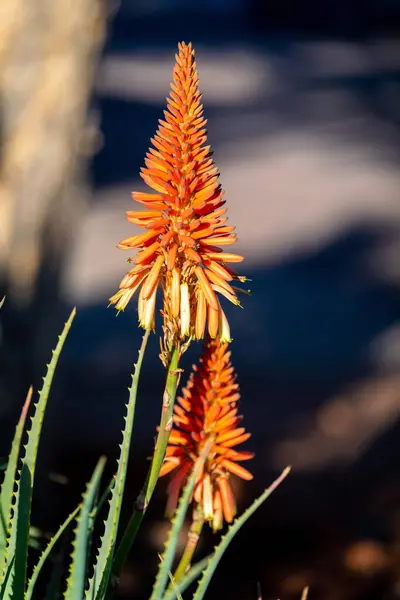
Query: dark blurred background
[{"x": 303, "y": 108}]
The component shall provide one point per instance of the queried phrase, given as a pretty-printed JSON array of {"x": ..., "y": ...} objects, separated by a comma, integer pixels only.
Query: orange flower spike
[
  {"x": 205, "y": 411},
  {"x": 185, "y": 224}
]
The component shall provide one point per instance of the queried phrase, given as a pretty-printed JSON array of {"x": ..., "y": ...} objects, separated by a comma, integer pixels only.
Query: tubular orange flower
[
  {"x": 184, "y": 220},
  {"x": 208, "y": 408}
]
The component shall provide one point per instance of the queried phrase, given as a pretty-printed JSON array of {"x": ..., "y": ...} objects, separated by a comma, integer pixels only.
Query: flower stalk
[
  {"x": 191, "y": 545},
  {"x": 166, "y": 422}
]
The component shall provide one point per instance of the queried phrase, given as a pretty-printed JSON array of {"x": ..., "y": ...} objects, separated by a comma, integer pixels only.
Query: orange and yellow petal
[
  {"x": 184, "y": 220},
  {"x": 204, "y": 412}
]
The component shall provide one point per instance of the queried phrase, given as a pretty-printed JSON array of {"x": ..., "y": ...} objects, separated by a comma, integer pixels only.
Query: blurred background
[{"x": 303, "y": 108}]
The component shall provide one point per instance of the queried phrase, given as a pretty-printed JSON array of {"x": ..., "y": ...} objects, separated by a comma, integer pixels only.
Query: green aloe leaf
[
  {"x": 173, "y": 584},
  {"x": 6, "y": 578},
  {"x": 232, "y": 531},
  {"x": 54, "y": 587},
  {"x": 181, "y": 586},
  {"x": 20, "y": 522},
  {"x": 177, "y": 523},
  {"x": 7, "y": 488},
  {"x": 21, "y": 518},
  {"x": 78, "y": 570},
  {"x": 144, "y": 497},
  {"x": 102, "y": 570},
  {"x": 103, "y": 498},
  {"x": 46, "y": 553}
]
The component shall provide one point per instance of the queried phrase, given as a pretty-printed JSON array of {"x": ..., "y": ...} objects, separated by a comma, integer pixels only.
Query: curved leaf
[
  {"x": 20, "y": 522},
  {"x": 7, "y": 488},
  {"x": 232, "y": 531},
  {"x": 102, "y": 570},
  {"x": 144, "y": 497},
  {"x": 6, "y": 578},
  {"x": 177, "y": 523},
  {"x": 181, "y": 586},
  {"x": 46, "y": 553},
  {"x": 78, "y": 569}
]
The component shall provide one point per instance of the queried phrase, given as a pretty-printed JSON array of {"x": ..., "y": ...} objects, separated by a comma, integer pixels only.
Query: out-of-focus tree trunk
[
  {"x": 48, "y": 52},
  {"x": 48, "y": 57}
]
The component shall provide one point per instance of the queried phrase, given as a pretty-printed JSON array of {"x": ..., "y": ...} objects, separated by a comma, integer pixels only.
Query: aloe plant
[
  {"x": 7, "y": 488},
  {"x": 15, "y": 503},
  {"x": 14, "y": 584},
  {"x": 77, "y": 580},
  {"x": 181, "y": 254}
]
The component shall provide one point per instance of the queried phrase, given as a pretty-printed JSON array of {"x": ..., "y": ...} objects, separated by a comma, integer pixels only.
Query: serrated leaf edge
[
  {"x": 102, "y": 570},
  {"x": 187, "y": 580},
  {"x": 76, "y": 582},
  {"x": 30, "y": 448},
  {"x": 232, "y": 531},
  {"x": 177, "y": 523},
  {"x": 7, "y": 575},
  {"x": 7, "y": 486},
  {"x": 46, "y": 553}
]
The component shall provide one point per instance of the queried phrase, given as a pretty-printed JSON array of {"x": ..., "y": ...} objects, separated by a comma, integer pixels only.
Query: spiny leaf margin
[
  {"x": 102, "y": 570},
  {"x": 78, "y": 568},
  {"x": 177, "y": 523},
  {"x": 232, "y": 531},
  {"x": 7, "y": 487},
  {"x": 191, "y": 576},
  {"x": 47, "y": 551},
  {"x": 6, "y": 578},
  {"x": 18, "y": 540}
]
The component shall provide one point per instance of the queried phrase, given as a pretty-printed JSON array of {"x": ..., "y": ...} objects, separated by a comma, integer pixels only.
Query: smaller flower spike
[
  {"x": 208, "y": 409},
  {"x": 184, "y": 222}
]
